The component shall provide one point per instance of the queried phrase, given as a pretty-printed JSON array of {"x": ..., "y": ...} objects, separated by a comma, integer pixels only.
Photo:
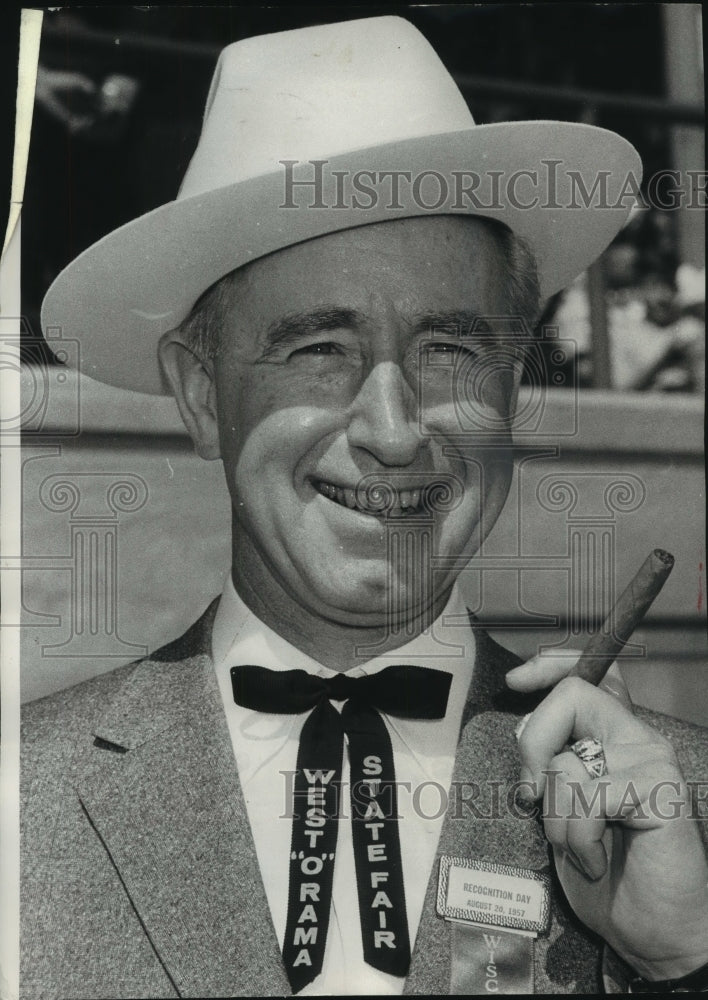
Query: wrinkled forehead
[{"x": 411, "y": 274}]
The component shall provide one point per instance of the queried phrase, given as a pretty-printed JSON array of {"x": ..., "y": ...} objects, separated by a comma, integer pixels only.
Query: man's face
[{"x": 324, "y": 388}]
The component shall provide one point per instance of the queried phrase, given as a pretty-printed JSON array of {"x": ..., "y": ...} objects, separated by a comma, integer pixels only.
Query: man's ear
[{"x": 191, "y": 379}]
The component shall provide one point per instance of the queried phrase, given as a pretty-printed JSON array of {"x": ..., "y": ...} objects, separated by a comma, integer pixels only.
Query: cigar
[{"x": 633, "y": 604}]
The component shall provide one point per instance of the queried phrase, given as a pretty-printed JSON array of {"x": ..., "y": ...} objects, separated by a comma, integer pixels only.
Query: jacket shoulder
[{"x": 63, "y": 719}]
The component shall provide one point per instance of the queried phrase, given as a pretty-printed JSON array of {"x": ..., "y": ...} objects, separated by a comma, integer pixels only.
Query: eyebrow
[
  {"x": 459, "y": 321},
  {"x": 469, "y": 323},
  {"x": 292, "y": 328}
]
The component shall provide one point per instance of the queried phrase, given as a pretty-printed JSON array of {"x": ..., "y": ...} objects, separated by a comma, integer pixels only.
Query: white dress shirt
[{"x": 265, "y": 747}]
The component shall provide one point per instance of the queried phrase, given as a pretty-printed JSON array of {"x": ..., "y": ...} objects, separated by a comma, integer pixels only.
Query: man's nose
[{"x": 384, "y": 419}]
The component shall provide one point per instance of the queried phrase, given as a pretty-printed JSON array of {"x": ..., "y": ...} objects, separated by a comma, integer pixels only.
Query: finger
[
  {"x": 613, "y": 683},
  {"x": 574, "y": 709},
  {"x": 576, "y": 805},
  {"x": 81, "y": 82},
  {"x": 547, "y": 669},
  {"x": 542, "y": 671},
  {"x": 68, "y": 80},
  {"x": 55, "y": 107}
]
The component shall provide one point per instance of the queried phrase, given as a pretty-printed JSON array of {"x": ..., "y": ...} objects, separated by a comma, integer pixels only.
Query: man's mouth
[{"x": 378, "y": 501}]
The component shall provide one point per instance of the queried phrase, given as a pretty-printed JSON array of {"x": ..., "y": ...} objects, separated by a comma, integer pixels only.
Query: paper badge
[{"x": 497, "y": 895}]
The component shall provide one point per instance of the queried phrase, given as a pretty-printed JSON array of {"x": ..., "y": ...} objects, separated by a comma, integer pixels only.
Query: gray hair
[{"x": 203, "y": 326}]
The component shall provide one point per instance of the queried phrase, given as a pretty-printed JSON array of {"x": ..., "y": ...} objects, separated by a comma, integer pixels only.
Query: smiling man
[
  {"x": 310, "y": 395},
  {"x": 248, "y": 810}
]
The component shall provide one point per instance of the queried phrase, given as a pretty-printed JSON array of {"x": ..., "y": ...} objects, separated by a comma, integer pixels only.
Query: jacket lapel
[
  {"x": 182, "y": 845},
  {"x": 482, "y": 824},
  {"x": 478, "y": 824}
]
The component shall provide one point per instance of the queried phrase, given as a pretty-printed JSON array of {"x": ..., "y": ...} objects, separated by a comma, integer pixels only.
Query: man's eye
[
  {"x": 452, "y": 350},
  {"x": 321, "y": 348}
]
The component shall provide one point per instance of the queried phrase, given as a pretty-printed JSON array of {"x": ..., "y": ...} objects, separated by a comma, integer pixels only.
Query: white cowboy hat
[{"x": 349, "y": 106}]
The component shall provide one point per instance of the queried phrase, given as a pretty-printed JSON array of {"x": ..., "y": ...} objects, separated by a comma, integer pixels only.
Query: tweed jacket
[{"x": 139, "y": 872}]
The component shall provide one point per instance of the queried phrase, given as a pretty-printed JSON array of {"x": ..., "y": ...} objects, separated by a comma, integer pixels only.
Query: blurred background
[
  {"x": 120, "y": 95},
  {"x": 121, "y": 92}
]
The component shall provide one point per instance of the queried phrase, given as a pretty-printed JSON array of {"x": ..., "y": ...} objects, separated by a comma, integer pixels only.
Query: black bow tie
[
  {"x": 404, "y": 691},
  {"x": 401, "y": 690}
]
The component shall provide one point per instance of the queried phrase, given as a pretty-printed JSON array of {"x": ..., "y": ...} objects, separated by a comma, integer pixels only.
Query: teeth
[{"x": 407, "y": 500}]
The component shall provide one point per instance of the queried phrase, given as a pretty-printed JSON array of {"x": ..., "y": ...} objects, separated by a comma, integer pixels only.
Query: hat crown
[
  {"x": 318, "y": 92},
  {"x": 368, "y": 96}
]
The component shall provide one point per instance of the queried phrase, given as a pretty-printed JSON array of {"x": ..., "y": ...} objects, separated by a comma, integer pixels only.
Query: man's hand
[
  {"x": 628, "y": 856},
  {"x": 69, "y": 97}
]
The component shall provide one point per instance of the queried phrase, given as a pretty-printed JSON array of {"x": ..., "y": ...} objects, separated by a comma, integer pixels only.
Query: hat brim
[{"x": 119, "y": 296}]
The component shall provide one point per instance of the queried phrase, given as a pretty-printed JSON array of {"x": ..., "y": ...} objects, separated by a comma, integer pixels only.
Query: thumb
[
  {"x": 542, "y": 671},
  {"x": 546, "y": 669}
]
